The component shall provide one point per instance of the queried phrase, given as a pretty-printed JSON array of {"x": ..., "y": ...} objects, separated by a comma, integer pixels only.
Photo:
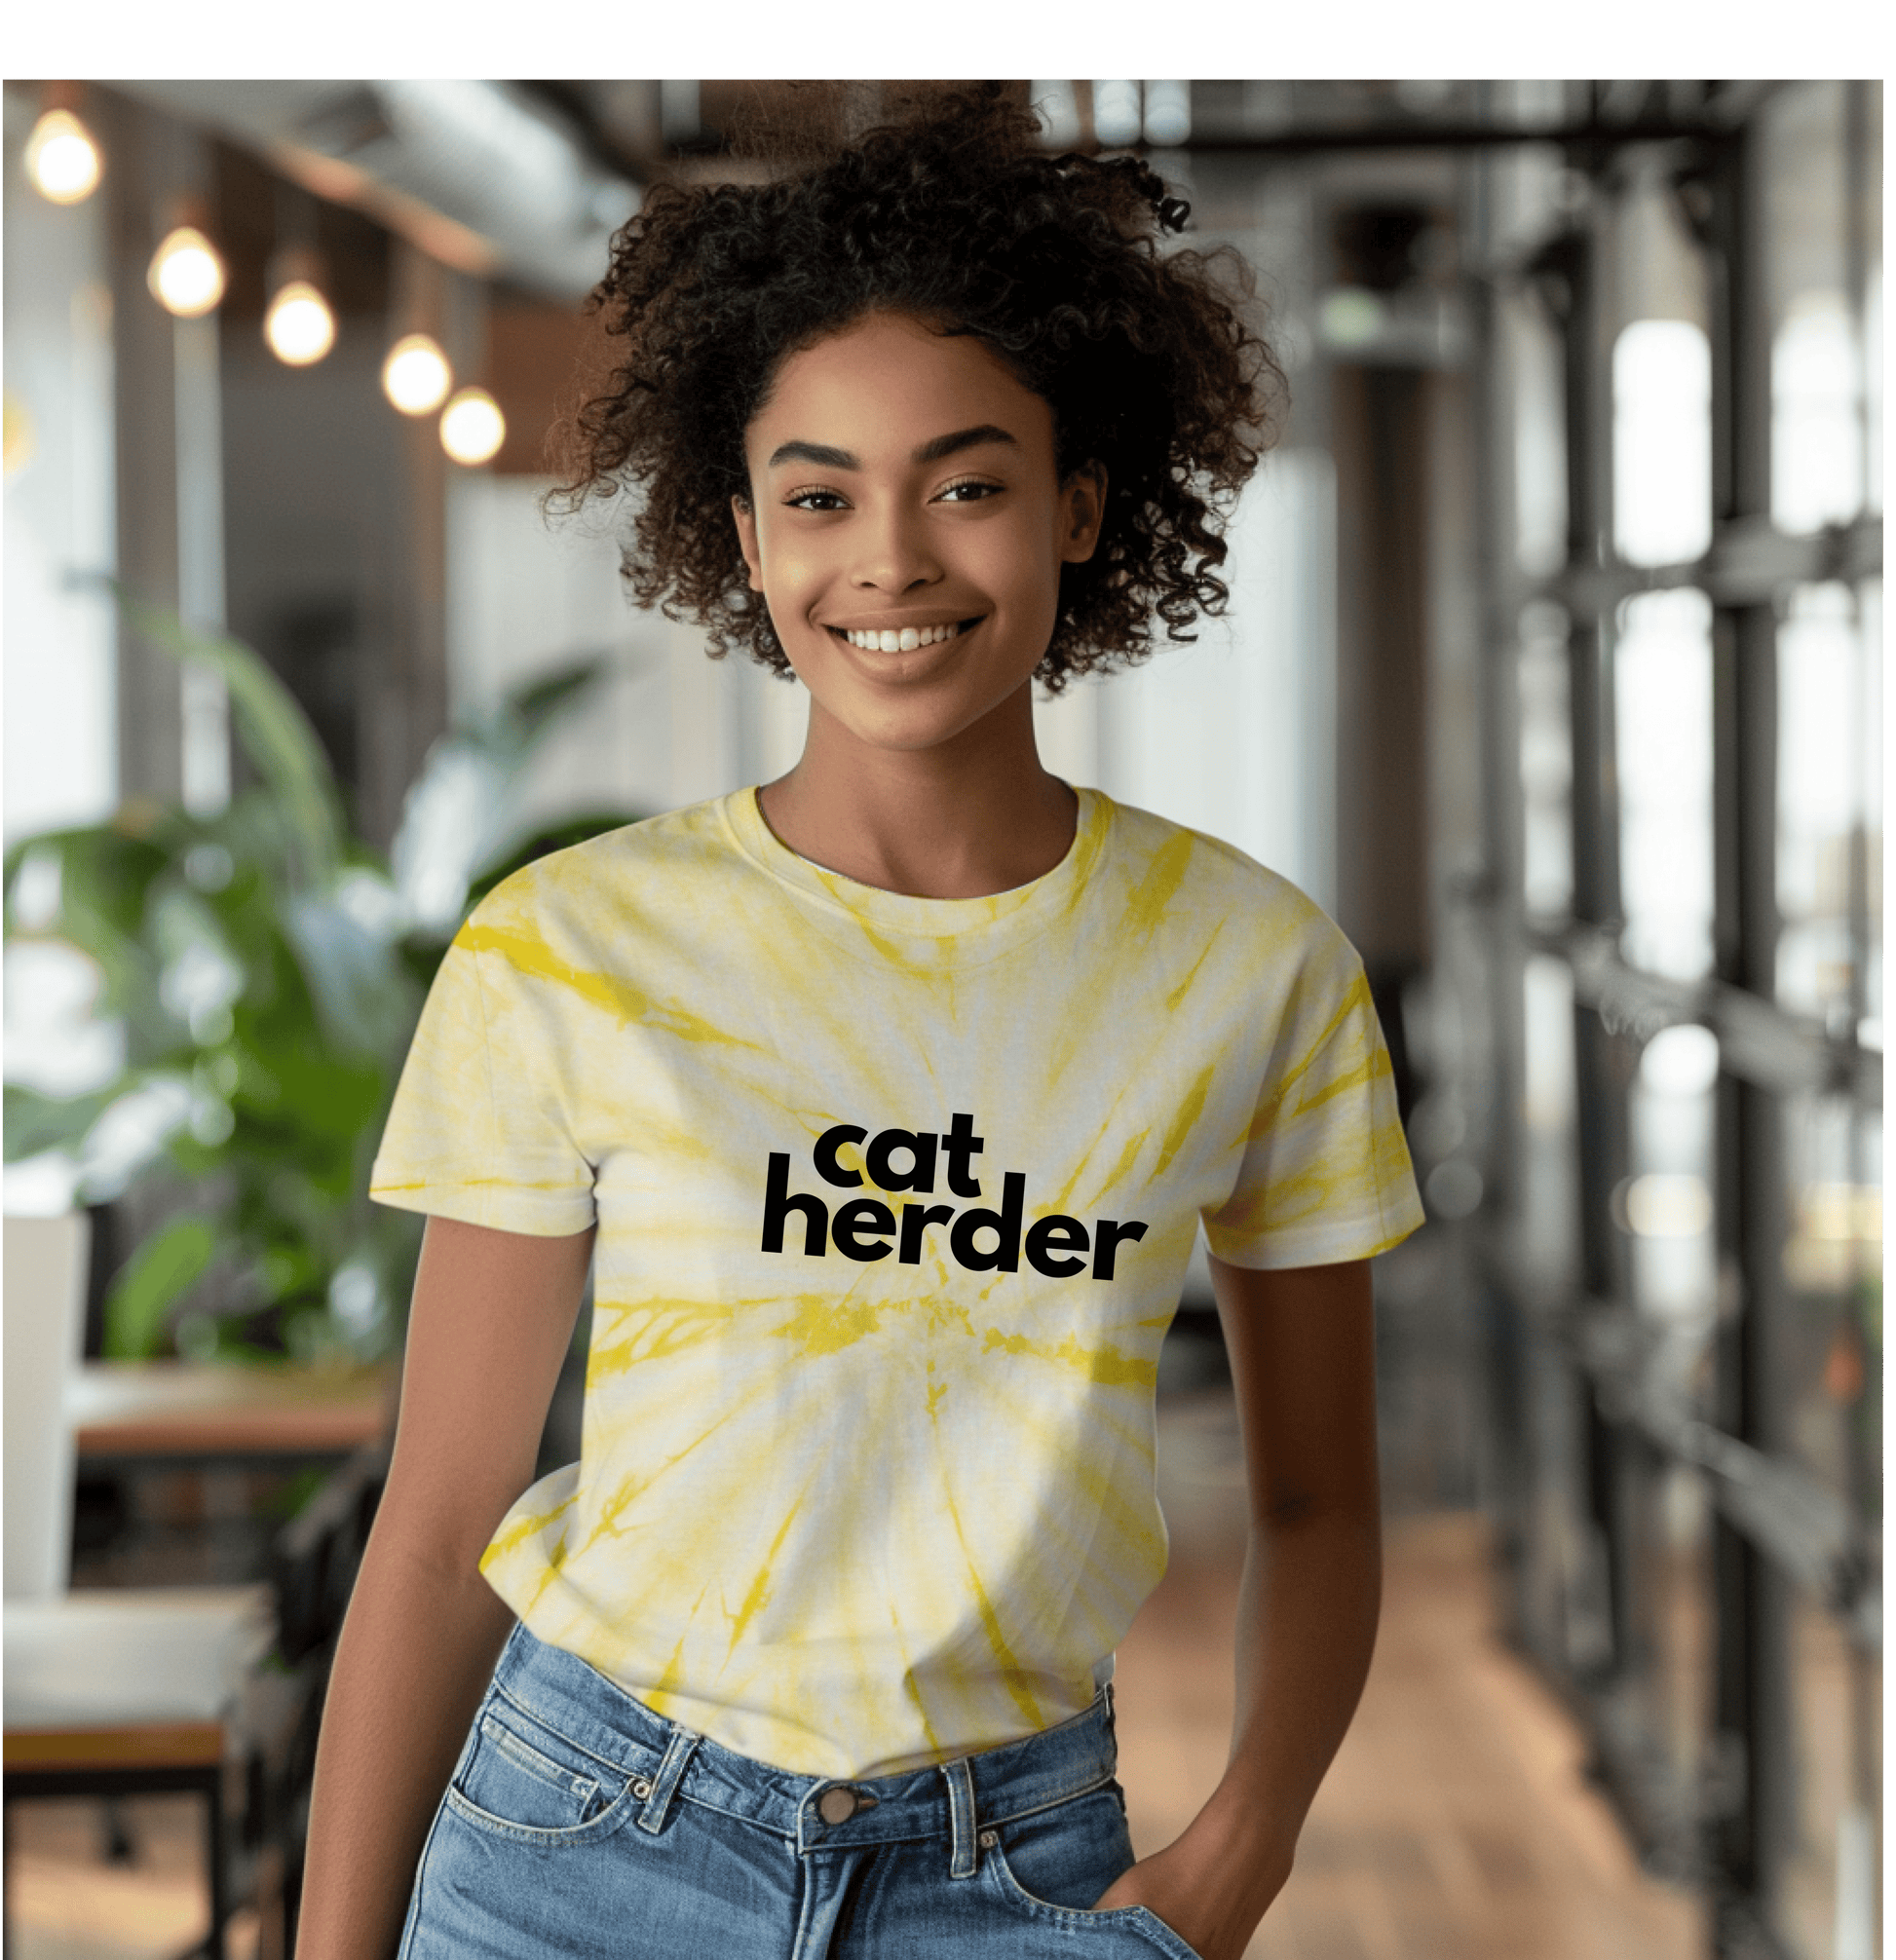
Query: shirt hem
[
  {"x": 504, "y": 1213},
  {"x": 1279, "y": 1253}
]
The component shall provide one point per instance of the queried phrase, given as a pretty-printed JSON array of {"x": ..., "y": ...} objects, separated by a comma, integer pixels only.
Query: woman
[{"x": 885, "y": 1102}]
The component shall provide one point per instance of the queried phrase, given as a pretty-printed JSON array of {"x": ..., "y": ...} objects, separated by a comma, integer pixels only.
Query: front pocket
[
  {"x": 521, "y": 1778},
  {"x": 1139, "y": 1922}
]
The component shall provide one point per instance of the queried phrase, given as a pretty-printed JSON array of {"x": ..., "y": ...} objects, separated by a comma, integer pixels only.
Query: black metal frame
[{"x": 1777, "y": 1527}]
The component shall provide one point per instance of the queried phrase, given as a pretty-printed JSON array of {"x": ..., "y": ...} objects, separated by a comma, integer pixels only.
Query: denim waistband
[{"x": 954, "y": 1800}]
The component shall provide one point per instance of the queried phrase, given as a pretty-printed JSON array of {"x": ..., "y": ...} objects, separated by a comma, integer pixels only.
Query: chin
[
  {"x": 908, "y": 718},
  {"x": 907, "y": 734}
]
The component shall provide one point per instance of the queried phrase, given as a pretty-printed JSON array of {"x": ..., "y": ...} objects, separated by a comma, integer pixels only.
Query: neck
[{"x": 965, "y": 818}]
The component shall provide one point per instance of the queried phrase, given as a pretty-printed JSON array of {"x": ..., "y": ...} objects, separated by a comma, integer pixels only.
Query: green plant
[{"x": 255, "y": 975}]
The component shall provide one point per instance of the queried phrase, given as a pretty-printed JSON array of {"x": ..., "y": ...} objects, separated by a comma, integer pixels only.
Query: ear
[
  {"x": 1082, "y": 509},
  {"x": 746, "y": 521}
]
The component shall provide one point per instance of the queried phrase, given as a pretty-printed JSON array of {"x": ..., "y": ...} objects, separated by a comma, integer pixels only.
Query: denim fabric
[{"x": 580, "y": 1823}]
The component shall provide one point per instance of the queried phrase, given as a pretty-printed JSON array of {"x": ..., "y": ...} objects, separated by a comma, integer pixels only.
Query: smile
[{"x": 903, "y": 640}]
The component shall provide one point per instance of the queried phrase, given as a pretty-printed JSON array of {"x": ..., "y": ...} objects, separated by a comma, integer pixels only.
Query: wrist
[{"x": 1240, "y": 1832}]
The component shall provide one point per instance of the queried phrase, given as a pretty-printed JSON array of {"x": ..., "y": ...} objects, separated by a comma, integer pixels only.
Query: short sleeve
[
  {"x": 478, "y": 1131},
  {"x": 1324, "y": 1174}
]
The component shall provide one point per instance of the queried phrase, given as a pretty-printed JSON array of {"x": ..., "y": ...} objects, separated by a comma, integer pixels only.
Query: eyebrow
[{"x": 827, "y": 458}]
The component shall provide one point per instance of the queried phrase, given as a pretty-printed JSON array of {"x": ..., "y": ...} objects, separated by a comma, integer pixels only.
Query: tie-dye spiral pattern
[{"x": 871, "y": 1506}]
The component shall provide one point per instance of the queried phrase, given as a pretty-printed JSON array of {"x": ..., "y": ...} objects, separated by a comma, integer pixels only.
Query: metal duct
[{"x": 478, "y": 174}]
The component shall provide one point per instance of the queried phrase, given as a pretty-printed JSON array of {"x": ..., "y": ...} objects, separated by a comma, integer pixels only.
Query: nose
[{"x": 892, "y": 552}]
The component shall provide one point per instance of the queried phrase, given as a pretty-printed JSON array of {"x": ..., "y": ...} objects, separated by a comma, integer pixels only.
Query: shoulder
[
  {"x": 606, "y": 879},
  {"x": 1173, "y": 875}
]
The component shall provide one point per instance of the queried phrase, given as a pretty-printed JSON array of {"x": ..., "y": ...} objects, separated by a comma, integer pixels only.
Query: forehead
[{"x": 889, "y": 383}]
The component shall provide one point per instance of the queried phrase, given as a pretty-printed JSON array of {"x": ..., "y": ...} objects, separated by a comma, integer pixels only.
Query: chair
[{"x": 46, "y": 1260}]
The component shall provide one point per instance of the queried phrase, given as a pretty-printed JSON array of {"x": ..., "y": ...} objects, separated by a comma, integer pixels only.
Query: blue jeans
[{"x": 579, "y": 1823}]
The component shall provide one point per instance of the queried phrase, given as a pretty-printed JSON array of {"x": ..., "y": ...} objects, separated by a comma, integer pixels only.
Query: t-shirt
[{"x": 894, "y": 1198}]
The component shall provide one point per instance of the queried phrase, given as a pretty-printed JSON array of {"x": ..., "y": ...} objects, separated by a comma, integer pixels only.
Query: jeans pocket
[
  {"x": 522, "y": 1778},
  {"x": 1136, "y": 1922}
]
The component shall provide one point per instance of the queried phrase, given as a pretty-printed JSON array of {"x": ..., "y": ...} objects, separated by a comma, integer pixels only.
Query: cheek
[
  {"x": 783, "y": 568},
  {"x": 1025, "y": 573}
]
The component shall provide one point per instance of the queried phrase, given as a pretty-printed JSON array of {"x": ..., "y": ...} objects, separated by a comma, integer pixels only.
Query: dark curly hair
[{"x": 952, "y": 214}]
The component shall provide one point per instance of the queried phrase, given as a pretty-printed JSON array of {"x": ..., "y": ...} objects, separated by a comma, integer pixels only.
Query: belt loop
[
  {"x": 672, "y": 1767},
  {"x": 960, "y": 1817}
]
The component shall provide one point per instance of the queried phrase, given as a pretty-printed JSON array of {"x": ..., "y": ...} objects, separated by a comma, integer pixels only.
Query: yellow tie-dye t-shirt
[{"x": 894, "y": 1197}]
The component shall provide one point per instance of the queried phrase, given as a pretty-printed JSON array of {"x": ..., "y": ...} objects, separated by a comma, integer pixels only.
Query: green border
[{"x": 970, "y": 38}]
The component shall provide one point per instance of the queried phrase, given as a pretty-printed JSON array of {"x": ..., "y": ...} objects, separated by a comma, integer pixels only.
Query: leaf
[
  {"x": 521, "y": 718},
  {"x": 152, "y": 1281},
  {"x": 105, "y": 880},
  {"x": 36, "y": 1122},
  {"x": 463, "y": 807},
  {"x": 358, "y": 984},
  {"x": 275, "y": 733}
]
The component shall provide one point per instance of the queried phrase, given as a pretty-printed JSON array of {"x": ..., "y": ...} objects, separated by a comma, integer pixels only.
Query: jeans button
[{"x": 836, "y": 1806}]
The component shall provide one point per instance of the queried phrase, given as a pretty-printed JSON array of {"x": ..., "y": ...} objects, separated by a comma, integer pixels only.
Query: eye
[
  {"x": 967, "y": 490},
  {"x": 815, "y": 500}
]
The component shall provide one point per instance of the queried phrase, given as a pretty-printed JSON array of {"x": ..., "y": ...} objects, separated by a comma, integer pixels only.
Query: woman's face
[{"x": 907, "y": 527}]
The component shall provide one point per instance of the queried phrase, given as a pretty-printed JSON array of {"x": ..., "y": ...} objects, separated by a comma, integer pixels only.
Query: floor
[{"x": 1457, "y": 1822}]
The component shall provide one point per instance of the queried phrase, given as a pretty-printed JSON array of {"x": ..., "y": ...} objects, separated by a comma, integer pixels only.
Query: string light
[
  {"x": 299, "y": 325},
  {"x": 186, "y": 275},
  {"x": 62, "y": 158},
  {"x": 416, "y": 377},
  {"x": 473, "y": 427}
]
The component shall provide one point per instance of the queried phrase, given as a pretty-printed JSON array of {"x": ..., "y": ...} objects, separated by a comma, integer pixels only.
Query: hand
[{"x": 1212, "y": 1904}]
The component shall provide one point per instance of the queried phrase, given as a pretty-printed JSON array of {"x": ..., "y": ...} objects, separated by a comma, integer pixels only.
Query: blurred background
[{"x": 1552, "y": 671}]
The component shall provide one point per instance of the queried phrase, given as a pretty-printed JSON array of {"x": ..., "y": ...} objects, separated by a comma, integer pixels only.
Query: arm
[
  {"x": 492, "y": 1318},
  {"x": 1302, "y": 1362}
]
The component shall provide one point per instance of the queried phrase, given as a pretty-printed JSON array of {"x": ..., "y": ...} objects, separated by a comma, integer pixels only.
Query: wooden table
[
  {"x": 113, "y": 1690},
  {"x": 224, "y": 1411},
  {"x": 117, "y": 1692}
]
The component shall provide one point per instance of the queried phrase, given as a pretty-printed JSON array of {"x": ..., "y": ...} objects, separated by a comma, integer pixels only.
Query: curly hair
[{"x": 953, "y": 214}]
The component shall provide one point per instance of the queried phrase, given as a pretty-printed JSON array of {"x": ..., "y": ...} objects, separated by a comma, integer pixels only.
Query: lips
[{"x": 900, "y": 639}]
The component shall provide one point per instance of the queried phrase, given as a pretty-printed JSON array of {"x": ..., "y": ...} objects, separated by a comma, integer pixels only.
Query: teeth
[{"x": 904, "y": 642}]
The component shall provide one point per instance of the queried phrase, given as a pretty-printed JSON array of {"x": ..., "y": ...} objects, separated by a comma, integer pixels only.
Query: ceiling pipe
[{"x": 479, "y": 174}]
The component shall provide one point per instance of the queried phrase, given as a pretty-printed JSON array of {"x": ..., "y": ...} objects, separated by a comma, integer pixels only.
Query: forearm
[
  {"x": 1308, "y": 1609},
  {"x": 1305, "y": 1629},
  {"x": 414, "y": 1658}
]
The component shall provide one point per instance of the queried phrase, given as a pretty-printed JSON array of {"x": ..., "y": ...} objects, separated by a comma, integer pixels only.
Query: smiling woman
[
  {"x": 1053, "y": 266},
  {"x": 815, "y": 1641},
  {"x": 908, "y": 527},
  {"x": 932, "y": 506}
]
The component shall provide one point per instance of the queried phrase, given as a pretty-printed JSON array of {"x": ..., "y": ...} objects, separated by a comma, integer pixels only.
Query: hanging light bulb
[
  {"x": 62, "y": 158},
  {"x": 473, "y": 427},
  {"x": 187, "y": 275},
  {"x": 416, "y": 376},
  {"x": 299, "y": 325}
]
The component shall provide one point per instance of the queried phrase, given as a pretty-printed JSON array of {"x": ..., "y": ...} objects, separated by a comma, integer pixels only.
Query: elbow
[{"x": 1296, "y": 1513}]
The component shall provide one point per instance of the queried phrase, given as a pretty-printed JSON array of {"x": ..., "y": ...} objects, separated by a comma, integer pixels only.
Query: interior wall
[{"x": 60, "y": 674}]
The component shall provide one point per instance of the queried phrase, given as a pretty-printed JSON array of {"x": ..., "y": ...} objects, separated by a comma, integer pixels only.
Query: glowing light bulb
[
  {"x": 416, "y": 376},
  {"x": 62, "y": 158},
  {"x": 186, "y": 275},
  {"x": 473, "y": 427},
  {"x": 299, "y": 325}
]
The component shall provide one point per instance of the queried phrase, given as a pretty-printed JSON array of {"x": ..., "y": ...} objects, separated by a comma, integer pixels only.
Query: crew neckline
[{"x": 939, "y": 932}]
